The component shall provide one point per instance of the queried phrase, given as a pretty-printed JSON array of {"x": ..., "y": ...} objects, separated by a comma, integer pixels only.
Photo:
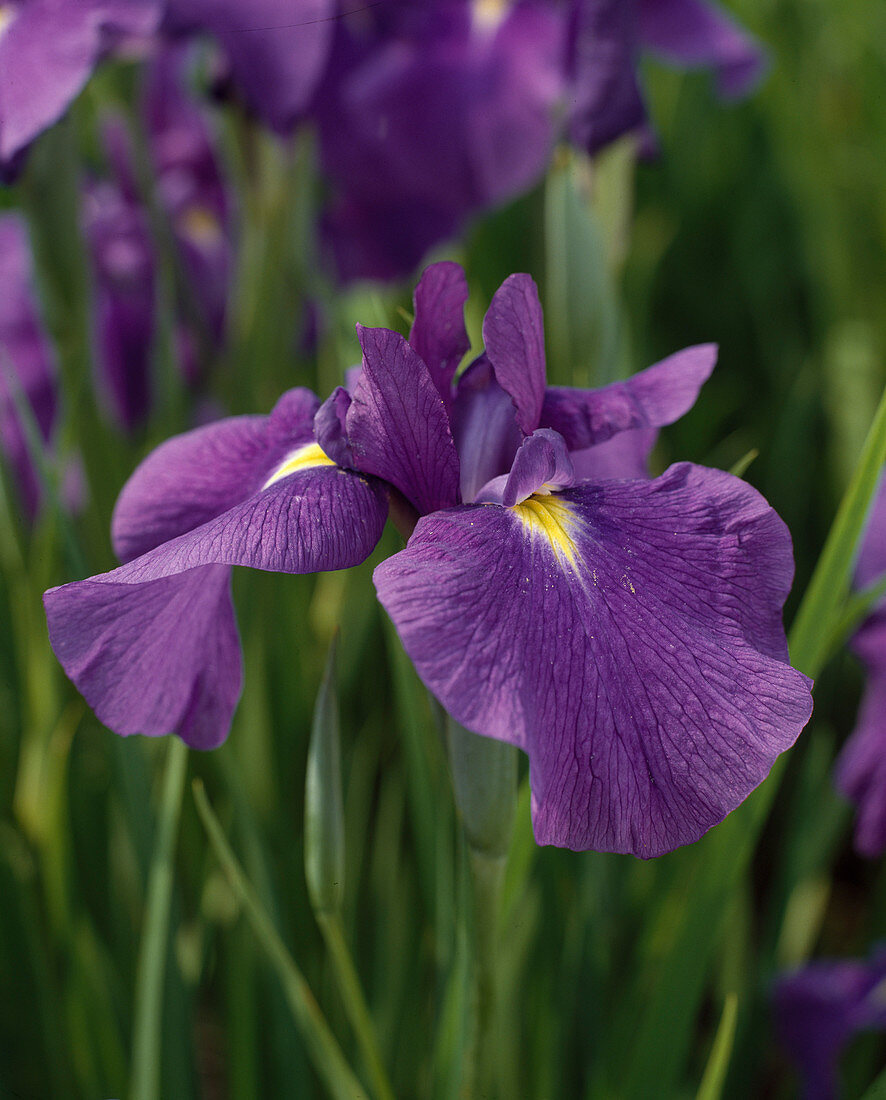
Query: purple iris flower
[
  {"x": 192, "y": 189},
  {"x": 276, "y": 49},
  {"x": 26, "y": 362},
  {"x": 861, "y": 766},
  {"x": 605, "y": 42},
  {"x": 821, "y": 1007},
  {"x": 430, "y": 113},
  {"x": 625, "y": 633},
  {"x": 48, "y": 50},
  {"x": 119, "y": 239}
]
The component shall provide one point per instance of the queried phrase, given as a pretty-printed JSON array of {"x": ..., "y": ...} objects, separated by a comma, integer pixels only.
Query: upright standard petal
[
  {"x": 513, "y": 333},
  {"x": 541, "y": 465},
  {"x": 397, "y": 423},
  {"x": 626, "y": 635},
  {"x": 652, "y": 398},
  {"x": 695, "y": 33},
  {"x": 438, "y": 332},
  {"x": 152, "y": 645},
  {"x": 484, "y": 426}
]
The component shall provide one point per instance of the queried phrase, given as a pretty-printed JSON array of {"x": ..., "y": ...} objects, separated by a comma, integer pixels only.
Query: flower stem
[
  {"x": 487, "y": 875},
  {"x": 146, "y": 1032},
  {"x": 355, "y": 1002},
  {"x": 322, "y": 1046},
  {"x": 484, "y": 777}
]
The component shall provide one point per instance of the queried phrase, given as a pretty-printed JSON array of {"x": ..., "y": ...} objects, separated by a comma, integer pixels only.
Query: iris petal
[
  {"x": 861, "y": 766},
  {"x": 644, "y": 673},
  {"x": 152, "y": 644},
  {"x": 438, "y": 333},
  {"x": 397, "y": 423},
  {"x": 197, "y": 476},
  {"x": 513, "y": 332},
  {"x": 651, "y": 398},
  {"x": 693, "y": 33}
]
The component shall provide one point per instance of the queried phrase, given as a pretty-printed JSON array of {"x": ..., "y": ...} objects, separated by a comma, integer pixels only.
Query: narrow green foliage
[
  {"x": 822, "y": 606},
  {"x": 329, "y": 1061},
  {"x": 147, "y": 1026},
  {"x": 711, "y": 1087},
  {"x": 484, "y": 777},
  {"x": 581, "y": 313},
  {"x": 324, "y": 812}
]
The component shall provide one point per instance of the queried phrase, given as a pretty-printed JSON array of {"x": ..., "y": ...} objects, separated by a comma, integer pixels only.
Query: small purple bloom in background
[
  {"x": 861, "y": 766},
  {"x": 119, "y": 239},
  {"x": 625, "y": 633},
  {"x": 26, "y": 362},
  {"x": 48, "y": 50},
  {"x": 821, "y": 1007},
  {"x": 192, "y": 190}
]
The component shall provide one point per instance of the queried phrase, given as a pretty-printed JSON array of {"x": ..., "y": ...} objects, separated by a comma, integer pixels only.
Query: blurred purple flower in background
[
  {"x": 861, "y": 766},
  {"x": 118, "y": 234},
  {"x": 191, "y": 193},
  {"x": 429, "y": 113},
  {"x": 606, "y": 39},
  {"x": 191, "y": 188},
  {"x": 26, "y": 363},
  {"x": 48, "y": 50},
  {"x": 820, "y": 1008},
  {"x": 626, "y": 634},
  {"x": 275, "y": 49}
]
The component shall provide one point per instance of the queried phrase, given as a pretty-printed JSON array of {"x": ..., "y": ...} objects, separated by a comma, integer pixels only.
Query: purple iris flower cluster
[
  {"x": 624, "y": 632},
  {"x": 861, "y": 766},
  {"x": 193, "y": 199},
  {"x": 821, "y": 1007},
  {"x": 426, "y": 112}
]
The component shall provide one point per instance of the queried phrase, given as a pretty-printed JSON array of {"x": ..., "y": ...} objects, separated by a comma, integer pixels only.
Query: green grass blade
[
  {"x": 329, "y": 1061},
  {"x": 823, "y": 600},
  {"x": 711, "y": 1087},
  {"x": 146, "y": 1053}
]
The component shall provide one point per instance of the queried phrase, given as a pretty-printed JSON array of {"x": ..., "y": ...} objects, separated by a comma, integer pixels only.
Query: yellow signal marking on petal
[
  {"x": 7, "y": 14},
  {"x": 200, "y": 225},
  {"x": 550, "y": 518},
  {"x": 305, "y": 458},
  {"x": 488, "y": 14}
]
